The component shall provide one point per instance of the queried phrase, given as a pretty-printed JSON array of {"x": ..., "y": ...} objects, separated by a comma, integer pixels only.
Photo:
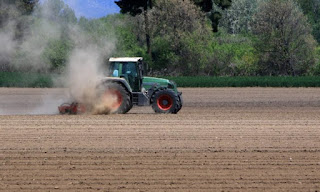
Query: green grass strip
[
  {"x": 17, "y": 79},
  {"x": 309, "y": 81}
]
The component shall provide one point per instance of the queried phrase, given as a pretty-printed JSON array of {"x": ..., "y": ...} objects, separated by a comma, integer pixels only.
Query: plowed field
[{"x": 223, "y": 139}]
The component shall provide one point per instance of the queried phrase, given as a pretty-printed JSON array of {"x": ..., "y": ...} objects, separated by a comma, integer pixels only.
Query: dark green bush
[
  {"x": 17, "y": 79},
  {"x": 309, "y": 81}
]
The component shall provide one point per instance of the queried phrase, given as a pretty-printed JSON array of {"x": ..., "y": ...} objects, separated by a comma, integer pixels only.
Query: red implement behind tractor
[{"x": 73, "y": 108}]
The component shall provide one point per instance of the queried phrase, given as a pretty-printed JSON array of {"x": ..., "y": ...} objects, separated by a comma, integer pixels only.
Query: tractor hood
[{"x": 148, "y": 82}]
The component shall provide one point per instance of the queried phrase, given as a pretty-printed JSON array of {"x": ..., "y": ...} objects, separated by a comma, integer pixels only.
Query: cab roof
[{"x": 125, "y": 59}]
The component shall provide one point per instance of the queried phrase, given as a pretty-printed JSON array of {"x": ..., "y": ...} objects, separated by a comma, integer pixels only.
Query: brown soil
[{"x": 223, "y": 139}]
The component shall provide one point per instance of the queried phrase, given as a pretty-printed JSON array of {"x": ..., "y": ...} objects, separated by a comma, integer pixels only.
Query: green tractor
[{"x": 129, "y": 86}]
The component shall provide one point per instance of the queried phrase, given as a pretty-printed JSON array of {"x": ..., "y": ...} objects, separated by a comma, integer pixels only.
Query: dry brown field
[{"x": 223, "y": 139}]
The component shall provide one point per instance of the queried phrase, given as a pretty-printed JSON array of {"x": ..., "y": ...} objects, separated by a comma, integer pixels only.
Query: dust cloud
[
  {"x": 85, "y": 73},
  {"x": 25, "y": 40},
  {"x": 86, "y": 64}
]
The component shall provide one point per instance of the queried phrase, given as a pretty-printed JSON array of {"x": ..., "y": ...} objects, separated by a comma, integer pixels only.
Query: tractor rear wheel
[
  {"x": 117, "y": 97},
  {"x": 165, "y": 101}
]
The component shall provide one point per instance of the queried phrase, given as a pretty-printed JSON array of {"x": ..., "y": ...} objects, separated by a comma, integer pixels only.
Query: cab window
[{"x": 129, "y": 68}]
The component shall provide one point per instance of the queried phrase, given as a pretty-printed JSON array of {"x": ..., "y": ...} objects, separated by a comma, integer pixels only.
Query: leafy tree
[
  {"x": 58, "y": 11},
  {"x": 216, "y": 14},
  {"x": 127, "y": 43},
  {"x": 174, "y": 17},
  {"x": 284, "y": 38},
  {"x": 56, "y": 53},
  {"x": 181, "y": 35},
  {"x": 15, "y": 20},
  {"x": 18, "y": 11},
  {"x": 311, "y": 9},
  {"x": 52, "y": 34},
  {"x": 232, "y": 55},
  {"x": 239, "y": 17},
  {"x": 137, "y": 7},
  {"x": 25, "y": 7},
  {"x": 214, "y": 8},
  {"x": 11, "y": 9},
  {"x": 206, "y": 5},
  {"x": 316, "y": 69}
]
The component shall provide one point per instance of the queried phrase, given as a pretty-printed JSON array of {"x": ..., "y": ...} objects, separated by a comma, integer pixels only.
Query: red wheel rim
[
  {"x": 165, "y": 102},
  {"x": 118, "y": 97}
]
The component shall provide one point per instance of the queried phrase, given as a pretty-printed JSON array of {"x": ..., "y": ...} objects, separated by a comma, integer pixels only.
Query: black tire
[
  {"x": 165, "y": 101},
  {"x": 180, "y": 103},
  {"x": 123, "y": 100}
]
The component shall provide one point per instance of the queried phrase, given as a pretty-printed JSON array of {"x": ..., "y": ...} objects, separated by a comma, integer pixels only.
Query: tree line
[{"x": 178, "y": 37}]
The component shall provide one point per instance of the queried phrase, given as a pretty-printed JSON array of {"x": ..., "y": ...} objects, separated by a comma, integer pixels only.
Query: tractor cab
[{"x": 129, "y": 68}]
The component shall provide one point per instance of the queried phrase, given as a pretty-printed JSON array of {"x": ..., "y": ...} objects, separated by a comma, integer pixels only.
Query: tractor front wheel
[{"x": 165, "y": 101}]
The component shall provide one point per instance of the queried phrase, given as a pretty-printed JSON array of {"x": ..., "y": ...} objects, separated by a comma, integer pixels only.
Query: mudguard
[{"x": 122, "y": 81}]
